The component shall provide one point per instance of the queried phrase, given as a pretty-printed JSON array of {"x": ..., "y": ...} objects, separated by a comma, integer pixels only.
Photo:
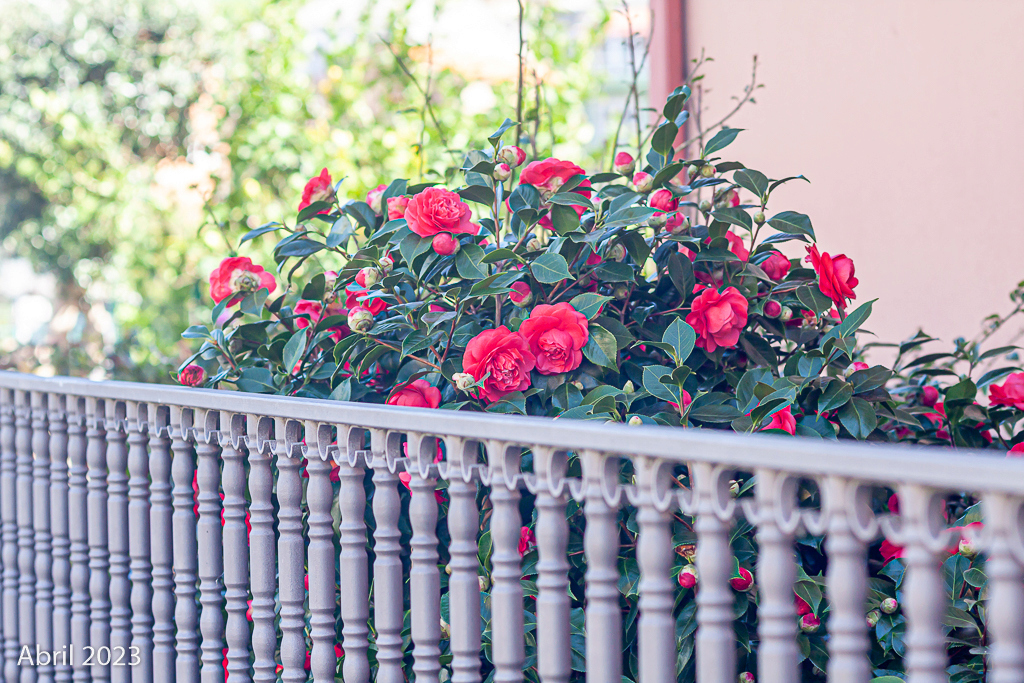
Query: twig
[
  {"x": 747, "y": 92},
  {"x": 636, "y": 90},
  {"x": 519, "y": 88},
  {"x": 633, "y": 86},
  {"x": 536, "y": 121}
]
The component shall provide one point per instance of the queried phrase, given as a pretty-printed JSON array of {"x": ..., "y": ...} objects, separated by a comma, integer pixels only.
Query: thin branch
[
  {"x": 747, "y": 93},
  {"x": 519, "y": 88},
  {"x": 633, "y": 88}
]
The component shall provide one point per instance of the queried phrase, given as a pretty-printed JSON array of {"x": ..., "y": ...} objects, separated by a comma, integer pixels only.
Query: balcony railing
[{"x": 107, "y": 547}]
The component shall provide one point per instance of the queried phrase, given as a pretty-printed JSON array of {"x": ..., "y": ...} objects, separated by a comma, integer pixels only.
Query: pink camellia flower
[
  {"x": 686, "y": 402},
  {"x": 512, "y": 155},
  {"x": 315, "y": 311},
  {"x": 438, "y": 211},
  {"x": 777, "y": 266},
  {"x": 772, "y": 308},
  {"x": 783, "y": 420},
  {"x": 663, "y": 201},
  {"x": 624, "y": 163},
  {"x": 890, "y": 551},
  {"x": 809, "y": 623},
  {"x": 375, "y": 198},
  {"x": 548, "y": 175},
  {"x": 643, "y": 182},
  {"x": 416, "y": 394},
  {"x": 318, "y": 189},
  {"x": 688, "y": 576},
  {"x": 358, "y": 296},
  {"x": 235, "y": 277},
  {"x": 192, "y": 376},
  {"x": 718, "y": 318},
  {"x": 743, "y": 582},
  {"x": 397, "y": 206},
  {"x": 557, "y": 335},
  {"x": 1010, "y": 392},
  {"x": 835, "y": 275},
  {"x": 1017, "y": 451},
  {"x": 505, "y": 355},
  {"x": 858, "y": 366},
  {"x": 526, "y": 540},
  {"x": 736, "y": 246}
]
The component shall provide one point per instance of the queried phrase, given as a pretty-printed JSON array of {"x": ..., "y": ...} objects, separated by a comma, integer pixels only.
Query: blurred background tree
[{"x": 139, "y": 141}]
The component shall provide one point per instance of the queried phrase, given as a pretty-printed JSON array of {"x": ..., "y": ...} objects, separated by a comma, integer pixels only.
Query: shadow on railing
[{"x": 135, "y": 516}]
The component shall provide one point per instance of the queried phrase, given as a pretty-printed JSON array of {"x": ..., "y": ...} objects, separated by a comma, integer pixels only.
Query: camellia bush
[{"x": 652, "y": 293}]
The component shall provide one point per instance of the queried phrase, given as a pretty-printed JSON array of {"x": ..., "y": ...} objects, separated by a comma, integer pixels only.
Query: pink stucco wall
[{"x": 908, "y": 118}]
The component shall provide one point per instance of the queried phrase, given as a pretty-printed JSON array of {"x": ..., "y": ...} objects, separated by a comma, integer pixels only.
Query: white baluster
[
  {"x": 139, "y": 658},
  {"x": 236, "y": 549},
  {"x": 291, "y": 554},
  {"x": 78, "y": 534},
  {"x": 9, "y": 517},
  {"x": 183, "y": 469},
  {"x": 1006, "y": 590},
  {"x": 463, "y": 586},
  {"x": 507, "y": 591},
  {"x": 355, "y": 592},
  {"x": 117, "y": 534},
  {"x": 424, "y": 579},
  {"x": 43, "y": 540},
  {"x": 322, "y": 594},
  {"x": 26, "y": 548},
  {"x": 210, "y": 555},
  {"x": 601, "y": 545},
  {"x": 656, "y": 634},
  {"x": 59, "y": 528},
  {"x": 716, "y": 642},
  {"x": 554, "y": 657},
  {"x": 262, "y": 557},
  {"x": 161, "y": 532},
  {"x": 99, "y": 553},
  {"x": 387, "y": 568}
]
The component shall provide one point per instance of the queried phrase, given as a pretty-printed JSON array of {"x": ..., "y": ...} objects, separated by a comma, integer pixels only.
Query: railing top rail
[{"x": 932, "y": 466}]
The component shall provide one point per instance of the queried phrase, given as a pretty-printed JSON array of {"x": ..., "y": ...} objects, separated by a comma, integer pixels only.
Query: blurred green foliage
[{"x": 139, "y": 141}]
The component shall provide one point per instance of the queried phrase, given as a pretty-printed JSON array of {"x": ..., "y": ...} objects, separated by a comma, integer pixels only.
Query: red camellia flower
[
  {"x": 802, "y": 607},
  {"x": 416, "y": 394},
  {"x": 1017, "y": 451},
  {"x": 318, "y": 189},
  {"x": 686, "y": 402},
  {"x": 1010, "y": 392},
  {"x": 557, "y": 335},
  {"x": 718, "y": 318},
  {"x": 783, "y": 420},
  {"x": 929, "y": 396},
  {"x": 743, "y": 582},
  {"x": 397, "y": 206},
  {"x": 315, "y": 311},
  {"x": 437, "y": 210},
  {"x": 236, "y": 276},
  {"x": 736, "y": 246},
  {"x": 777, "y": 266},
  {"x": 547, "y": 175},
  {"x": 663, "y": 201},
  {"x": 505, "y": 355},
  {"x": 526, "y": 540},
  {"x": 192, "y": 376},
  {"x": 835, "y": 275},
  {"x": 520, "y": 292},
  {"x": 357, "y": 296}
]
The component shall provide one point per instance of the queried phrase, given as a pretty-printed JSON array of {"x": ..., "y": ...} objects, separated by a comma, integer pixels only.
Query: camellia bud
[
  {"x": 534, "y": 245},
  {"x": 705, "y": 206},
  {"x": 889, "y": 605},
  {"x": 616, "y": 252},
  {"x": 786, "y": 314},
  {"x": 743, "y": 582},
  {"x": 746, "y": 677},
  {"x": 693, "y": 170},
  {"x": 658, "y": 220},
  {"x": 386, "y": 264},
  {"x": 448, "y": 569},
  {"x": 521, "y": 296},
  {"x": 968, "y": 547},
  {"x": 463, "y": 381},
  {"x": 734, "y": 488},
  {"x": 707, "y": 170},
  {"x": 873, "y": 617},
  {"x": 445, "y": 244},
  {"x": 809, "y": 623},
  {"x": 929, "y": 396},
  {"x": 578, "y": 384},
  {"x": 192, "y": 376},
  {"x": 772, "y": 308},
  {"x": 628, "y": 387},
  {"x": 688, "y": 576},
  {"x": 360, "y": 319},
  {"x": 624, "y": 163},
  {"x": 643, "y": 182},
  {"x": 620, "y": 292},
  {"x": 367, "y": 277},
  {"x": 502, "y": 172},
  {"x": 635, "y": 421},
  {"x": 484, "y": 583},
  {"x": 854, "y": 367},
  {"x": 512, "y": 155},
  {"x": 759, "y": 218},
  {"x": 446, "y": 633},
  {"x": 681, "y": 227}
]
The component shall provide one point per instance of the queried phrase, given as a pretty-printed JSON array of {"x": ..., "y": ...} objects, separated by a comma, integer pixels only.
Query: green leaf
[
  {"x": 653, "y": 384},
  {"x": 301, "y": 248},
  {"x": 514, "y": 403},
  {"x": 362, "y": 213},
  {"x": 722, "y": 139},
  {"x": 734, "y": 216},
  {"x": 495, "y": 137},
  {"x": 852, "y": 323},
  {"x": 564, "y": 219},
  {"x": 469, "y": 262},
  {"x": 601, "y": 348},
  {"x": 340, "y": 232},
  {"x": 589, "y": 304},
  {"x": 314, "y": 289},
  {"x": 293, "y": 350},
  {"x": 975, "y": 577},
  {"x": 681, "y": 337},
  {"x": 664, "y": 136},
  {"x": 253, "y": 303},
  {"x": 501, "y": 255},
  {"x": 994, "y": 376},
  {"x": 835, "y": 395},
  {"x": 342, "y": 392},
  {"x": 256, "y": 381},
  {"x": 550, "y": 268},
  {"x": 312, "y": 210},
  {"x": 636, "y": 246},
  {"x": 753, "y": 181},
  {"x": 858, "y": 417},
  {"x": 759, "y": 351},
  {"x": 792, "y": 223},
  {"x": 481, "y": 194},
  {"x": 411, "y": 246},
  {"x": 631, "y": 215},
  {"x": 198, "y": 332},
  {"x": 262, "y": 230},
  {"x": 571, "y": 199},
  {"x": 813, "y": 299},
  {"x": 612, "y": 271},
  {"x": 680, "y": 271},
  {"x": 961, "y": 393}
]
